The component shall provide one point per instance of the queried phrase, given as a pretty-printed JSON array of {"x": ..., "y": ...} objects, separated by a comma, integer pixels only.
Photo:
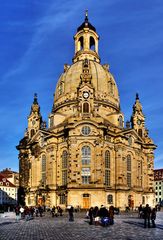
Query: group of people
[
  {"x": 147, "y": 214},
  {"x": 96, "y": 215},
  {"x": 56, "y": 211},
  {"x": 28, "y": 213},
  {"x": 101, "y": 216}
]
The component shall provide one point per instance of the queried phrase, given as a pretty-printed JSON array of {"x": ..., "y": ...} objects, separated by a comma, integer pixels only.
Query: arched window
[
  {"x": 51, "y": 121},
  {"x": 43, "y": 169},
  {"x": 85, "y": 107},
  {"x": 86, "y": 159},
  {"x": 128, "y": 170},
  {"x": 32, "y": 132},
  {"x": 111, "y": 87},
  {"x": 143, "y": 200},
  {"x": 129, "y": 163},
  {"x": 110, "y": 199},
  {"x": 86, "y": 155},
  {"x": 107, "y": 159},
  {"x": 107, "y": 168},
  {"x": 130, "y": 201},
  {"x": 60, "y": 88},
  {"x": 92, "y": 43},
  {"x": 80, "y": 43},
  {"x": 120, "y": 121},
  {"x": 140, "y": 173},
  {"x": 62, "y": 198},
  {"x": 64, "y": 167},
  {"x": 140, "y": 132}
]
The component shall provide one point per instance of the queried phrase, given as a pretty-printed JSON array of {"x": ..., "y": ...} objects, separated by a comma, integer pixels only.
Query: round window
[{"x": 86, "y": 130}]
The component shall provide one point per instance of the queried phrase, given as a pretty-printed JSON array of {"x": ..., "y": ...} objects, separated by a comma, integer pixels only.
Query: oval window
[{"x": 86, "y": 130}]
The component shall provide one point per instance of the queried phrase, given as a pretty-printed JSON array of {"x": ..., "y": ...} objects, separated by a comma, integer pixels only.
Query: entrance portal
[{"x": 86, "y": 201}]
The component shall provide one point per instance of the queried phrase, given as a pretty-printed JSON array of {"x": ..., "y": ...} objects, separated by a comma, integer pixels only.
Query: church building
[{"x": 87, "y": 155}]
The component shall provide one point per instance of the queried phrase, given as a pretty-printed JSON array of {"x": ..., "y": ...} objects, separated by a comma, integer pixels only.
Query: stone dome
[
  {"x": 86, "y": 75},
  {"x": 105, "y": 88}
]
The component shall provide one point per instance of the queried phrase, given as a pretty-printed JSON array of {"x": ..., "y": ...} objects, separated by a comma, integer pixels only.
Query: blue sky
[{"x": 36, "y": 39}]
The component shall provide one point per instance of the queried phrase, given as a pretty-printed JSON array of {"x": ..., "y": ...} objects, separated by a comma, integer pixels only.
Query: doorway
[{"x": 86, "y": 201}]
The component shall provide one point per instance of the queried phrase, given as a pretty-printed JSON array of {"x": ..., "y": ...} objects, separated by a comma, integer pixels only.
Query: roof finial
[
  {"x": 35, "y": 99},
  {"x": 137, "y": 96},
  {"x": 86, "y": 15}
]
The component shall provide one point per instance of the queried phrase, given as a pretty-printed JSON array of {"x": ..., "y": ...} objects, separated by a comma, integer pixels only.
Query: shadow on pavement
[
  {"x": 135, "y": 223},
  {"x": 6, "y": 223},
  {"x": 159, "y": 226}
]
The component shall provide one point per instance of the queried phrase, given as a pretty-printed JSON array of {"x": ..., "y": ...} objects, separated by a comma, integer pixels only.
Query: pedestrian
[
  {"x": 53, "y": 211},
  {"x": 153, "y": 217},
  {"x": 56, "y": 212},
  {"x": 91, "y": 215},
  {"x": 40, "y": 209},
  {"x": 111, "y": 215},
  {"x": 71, "y": 213},
  {"x": 27, "y": 213},
  {"x": 59, "y": 210},
  {"x": 103, "y": 212},
  {"x": 146, "y": 214},
  {"x": 36, "y": 211},
  {"x": 96, "y": 215},
  {"x": 17, "y": 212},
  {"x": 22, "y": 212},
  {"x": 140, "y": 210}
]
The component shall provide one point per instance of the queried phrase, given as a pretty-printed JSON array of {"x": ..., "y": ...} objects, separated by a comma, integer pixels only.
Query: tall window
[
  {"x": 80, "y": 43},
  {"x": 51, "y": 121},
  {"x": 86, "y": 159},
  {"x": 111, "y": 87},
  {"x": 86, "y": 155},
  {"x": 85, "y": 107},
  {"x": 107, "y": 168},
  {"x": 128, "y": 170},
  {"x": 64, "y": 167},
  {"x": 140, "y": 173},
  {"x": 43, "y": 168},
  {"x": 140, "y": 132},
  {"x": 121, "y": 121},
  {"x": 32, "y": 132},
  {"x": 92, "y": 43},
  {"x": 60, "y": 88},
  {"x": 62, "y": 199},
  {"x": 110, "y": 199}
]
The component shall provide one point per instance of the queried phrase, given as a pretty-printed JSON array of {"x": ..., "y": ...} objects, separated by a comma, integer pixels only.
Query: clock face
[
  {"x": 138, "y": 122},
  {"x": 85, "y": 95},
  {"x": 33, "y": 122}
]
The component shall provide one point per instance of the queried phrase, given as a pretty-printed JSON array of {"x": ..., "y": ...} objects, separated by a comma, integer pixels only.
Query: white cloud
[{"x": 51, "y": 21}]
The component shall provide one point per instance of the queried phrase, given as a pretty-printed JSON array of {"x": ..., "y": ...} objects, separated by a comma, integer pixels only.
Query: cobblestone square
[{"x": 126, "y": 226}]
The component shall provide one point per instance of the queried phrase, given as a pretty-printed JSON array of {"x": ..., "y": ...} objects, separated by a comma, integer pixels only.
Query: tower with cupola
[{"x": 35, "y": 118}]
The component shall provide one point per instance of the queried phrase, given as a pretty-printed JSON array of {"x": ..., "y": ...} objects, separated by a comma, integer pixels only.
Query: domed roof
[
  {"x": 86, "y": 24},
  {"x": 102, "y": 81}
]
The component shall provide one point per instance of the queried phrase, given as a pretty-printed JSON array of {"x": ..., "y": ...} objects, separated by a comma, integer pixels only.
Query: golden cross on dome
[{"x": 86, "y": 15}]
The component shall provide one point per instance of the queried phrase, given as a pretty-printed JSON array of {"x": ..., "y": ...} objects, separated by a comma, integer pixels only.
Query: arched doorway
[
  {"x": 130, "y": 201},
  {"x": 86, "y": 201}
]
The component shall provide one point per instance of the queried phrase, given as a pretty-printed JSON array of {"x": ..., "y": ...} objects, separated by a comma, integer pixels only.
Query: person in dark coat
[
  {"x": 147, "y": 213},
  {"x": 111, "y": 214},
  {"x": 71, "y": 213},
  {"x": 153, "y": 217},
  {"x": 140, "y": 210},
  {"x": 91, "y": 215},
  {"x": 103, "y": 212}
]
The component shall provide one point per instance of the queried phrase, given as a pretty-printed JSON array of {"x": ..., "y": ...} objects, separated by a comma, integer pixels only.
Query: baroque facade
[{"x": 87, "y": 155}]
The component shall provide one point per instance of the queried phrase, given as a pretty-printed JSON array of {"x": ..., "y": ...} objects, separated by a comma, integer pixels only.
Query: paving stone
[{"x": 126, "y": 227}]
